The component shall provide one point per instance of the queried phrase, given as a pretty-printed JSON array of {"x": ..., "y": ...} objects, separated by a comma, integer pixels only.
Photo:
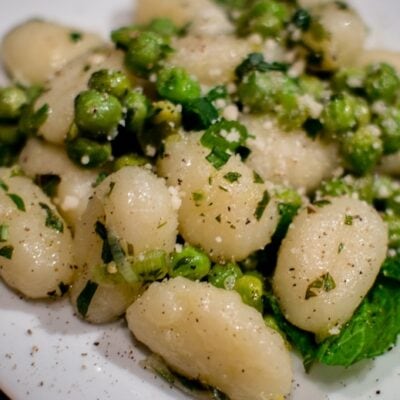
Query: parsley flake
[
  {"x": 325, "y": 283},
  {"x": 52, "y": 220}
]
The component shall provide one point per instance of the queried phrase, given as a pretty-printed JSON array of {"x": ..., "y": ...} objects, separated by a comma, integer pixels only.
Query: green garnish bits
[
  {"x": 362, "y": 149},
  {"x": 113, "y": 82},
  {"x": 389, "y": 124},
  {"x": 97, "y": 114},
  {"x": 137, "y": 106},
  {"x": 151, "y": 266},
  {"x": 176, "y": 85},
  {"x": 265, "y": 17},
  {"x": 191, "y": 263},
  {"x": 12, "y": 99},
  {"x": 381, "y": 82},
  {"x": 145, "y": 52}
]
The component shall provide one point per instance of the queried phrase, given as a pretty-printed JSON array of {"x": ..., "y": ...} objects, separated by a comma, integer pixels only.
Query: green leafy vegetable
[
  {"x": 101, "y": 230},
  {"x": 372, "y": 331},
  {"x": 85, "y": 297},
  {"x": 52, "y": 220},
  {"x": 391, "y": 268},
  {"x": 256, "y": 62},
  {"x": 49, "y": 183},
  {"x": 232, "y": 176},
  {"x": 198, "y": 114},
  {"x": 3, "y": 232}
]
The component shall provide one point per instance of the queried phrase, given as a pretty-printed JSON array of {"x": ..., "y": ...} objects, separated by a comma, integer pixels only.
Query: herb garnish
[
  {"x": 52, "y": 220},
  {"x": 261, "y": 206},
  {"x": 324, "y": 283}
]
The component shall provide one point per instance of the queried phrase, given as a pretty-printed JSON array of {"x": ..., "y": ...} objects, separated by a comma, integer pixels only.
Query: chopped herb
[
  {"x": 52, "y": 220},
  {"x": 302, "y": 19},
  {"x": 17, "y": 201},
  {"x": 111, "y": 188},
  {"x": 85, "y": 297},
  {"x": 261, "y": 206},
  {"x": 218, "y": 218},
  {"x": 3, "y": 232},
  {"x": 257, "y": 178},
  {"x": 218, "y": 92},
  {"x": 100, "y": 178},
  {"x": 198, "y": 114},
  {"x": 321, "y": 203},
  {"x": 224, "y": 138},
  {"x": 31, "y": 120},
  {"x": 101, "y": 230},
  {"x": 256, "y": 62},
  {"x": 222, "y": 188},
  {"x": 232, "y": 176},
  {"x": 6, "y": 252},
  {"x": 324, "y": 283},
  {"x": 75, "y": 37},
  {"x": 197, "y": 197},
  {"x": 162, "y": 224},
  {"x": 3, "y": 185},
  {"x": 340, "y": 247},
  {"x": 63, "y": 288},
  {"x": 348, "y": 220},
  {"x": 48, "y": 183}
]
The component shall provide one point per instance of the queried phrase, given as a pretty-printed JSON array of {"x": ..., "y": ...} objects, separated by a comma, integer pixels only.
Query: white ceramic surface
[{"x": 47, "y": 353}]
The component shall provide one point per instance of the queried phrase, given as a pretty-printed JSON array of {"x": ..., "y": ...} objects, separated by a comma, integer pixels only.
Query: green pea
[
  {"x": 250, "y": 288},
  {"x": 389, "y": 123},
  {"x": 313, "y": 86},
  {"x": 12, "y": 99},
  {"x": 339, "y": 114},
  {"x": 176, "y": 85},
  {"x": 382, "y": 82},
  {"x": 138, "y": 107},
  {"x": 88, "y": 153},
  {"x": 290, "y": 111},
  {"x": 349, "y": 79},
  {"x": 190, "y": 263},
  {"x": 123, "y": 36},
  {"x": 266, "y": 17},
  {"x": 113, "y": 82},
  {"x": 224, "y": 275},
  {"x": 97, "y": 114},
  {"x": 151, "y": 266},
  {"x": 393, "y": 223},
  {"x": 129, "y": 160},
  {"x": 258, "y": 90},
  {"x": 384, "y": 187},
  {"x": 362, "y": 149},
  {"x": 145, "y": 52},
  {"x": 163, "y": 27}
]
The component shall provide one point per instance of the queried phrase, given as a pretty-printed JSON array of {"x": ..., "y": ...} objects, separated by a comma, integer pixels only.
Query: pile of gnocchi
[{"x": 221, "y": 173}]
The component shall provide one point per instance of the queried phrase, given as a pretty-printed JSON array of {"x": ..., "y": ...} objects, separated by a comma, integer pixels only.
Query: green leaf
[
  {"x": 198, "y": 114},
  {"x": 372, "y": 331},
  {"x": 85, "y": 297},
  {"x": 325, "y": 283},
  {"x": 6, "y": 252},
  {"x": 3, "y": 185},
  {"x": 48, "y": 183},
  {"x": 224, "y": 138},
  {"x": 256, "y": 62},
  {"x": 262, "y": 205},
  {"x": 52, "y": 220},
  {"x": 31, "y": 120},
  {"x": 232, "y": 176},
  {"x": 3, "y": 232},
  {"x": 391, "y": 267},
  {"x": 17, "y": 201},
  {"x": 101, "y": 230}
]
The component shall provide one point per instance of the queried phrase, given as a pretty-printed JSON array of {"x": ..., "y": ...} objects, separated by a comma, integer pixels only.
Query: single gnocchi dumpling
[
  {"x": 329, "y": 36},
  {"x": 225, "y": 212},
  {"x": 66, "y": 85},
  {"x": 74, "y": 184},
  {"x": 36, "y": 256},
  {"x": 327, "y": 263},
  {"x": 35, "y": 50},
  {"x": 135, "y": 208},
  {"x": 209, "y": 334},
  {"x": 292, "y": 158}
]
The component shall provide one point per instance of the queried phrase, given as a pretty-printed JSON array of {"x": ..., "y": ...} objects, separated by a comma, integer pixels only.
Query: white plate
[{"x": 47, "y": 353}]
